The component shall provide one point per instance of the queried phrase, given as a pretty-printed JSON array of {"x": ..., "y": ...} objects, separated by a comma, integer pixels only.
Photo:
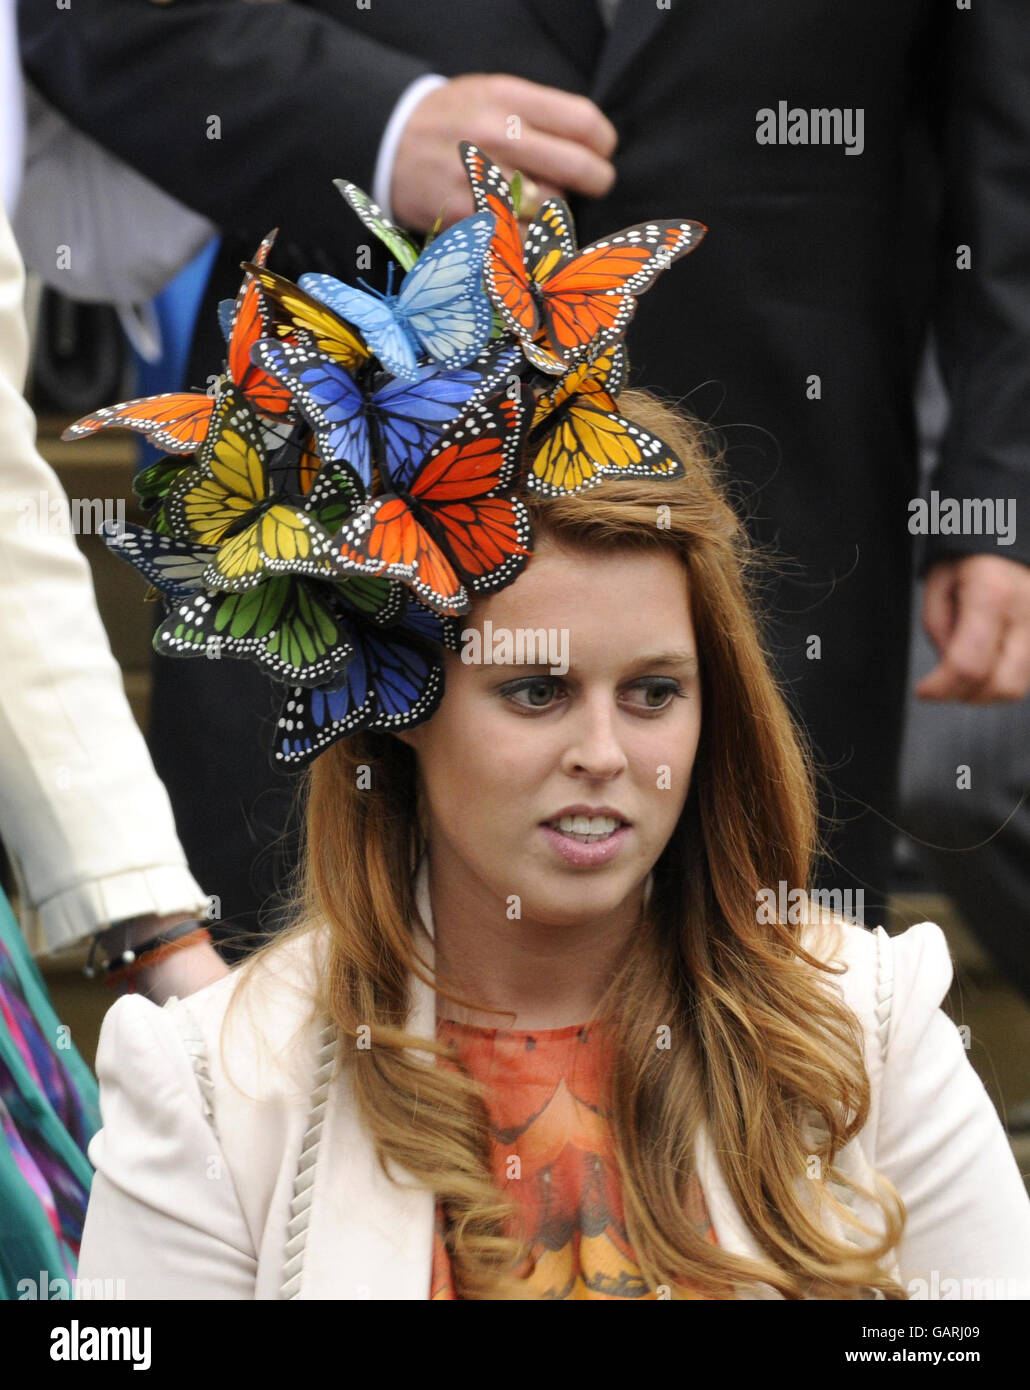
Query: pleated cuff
[{"x": 71, "y": 916}]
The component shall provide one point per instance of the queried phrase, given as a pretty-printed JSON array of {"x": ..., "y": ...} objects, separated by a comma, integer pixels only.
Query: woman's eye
[
  {"x": 662, "y": 691},
  {"x": 538, "y": 692},
  {"x": 538, "y": 687}
]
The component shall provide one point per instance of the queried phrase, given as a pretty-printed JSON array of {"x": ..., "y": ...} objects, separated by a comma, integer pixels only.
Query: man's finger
[
  {"x": 564, "y": 163},
  {"x": 972, "y": 653},
  {"x": 1011, "y": 677},
  {"x": 565, "y": 114},
  {"x": 939, "y": 605}
]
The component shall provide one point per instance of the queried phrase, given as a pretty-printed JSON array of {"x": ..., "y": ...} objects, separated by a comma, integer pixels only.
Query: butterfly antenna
[{"x": 378, "y": 293}]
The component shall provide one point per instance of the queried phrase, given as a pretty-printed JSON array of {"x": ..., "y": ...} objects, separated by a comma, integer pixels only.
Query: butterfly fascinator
[{"x": 357, "y": 474}]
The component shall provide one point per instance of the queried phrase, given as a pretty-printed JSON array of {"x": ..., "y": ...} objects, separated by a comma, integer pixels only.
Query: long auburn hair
[{"x": 765, "y": 1053}]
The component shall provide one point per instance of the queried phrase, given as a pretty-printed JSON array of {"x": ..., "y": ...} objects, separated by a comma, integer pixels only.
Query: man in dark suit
[{"x": 851, "y": 164}]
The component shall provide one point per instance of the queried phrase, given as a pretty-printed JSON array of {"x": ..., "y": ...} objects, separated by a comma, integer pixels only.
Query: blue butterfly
[
  {"x": 393, "y": 681},
  {"x": 441, "y": 309},
  {"x": 398, "y": 423}
]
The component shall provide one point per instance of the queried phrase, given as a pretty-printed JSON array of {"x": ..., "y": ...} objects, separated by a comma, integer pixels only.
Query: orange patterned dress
[{"x": 553, "y": 1150}]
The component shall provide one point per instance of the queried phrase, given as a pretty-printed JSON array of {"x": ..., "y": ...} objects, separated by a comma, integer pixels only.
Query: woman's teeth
[{"x": 586, "y": 829}]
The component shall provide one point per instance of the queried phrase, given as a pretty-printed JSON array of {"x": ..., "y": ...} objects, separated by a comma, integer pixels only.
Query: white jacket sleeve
[
  {"x": 163, "y": 1214},
  {"x": 941, "y": 1143},
  {"x": 87, "y": 821}
]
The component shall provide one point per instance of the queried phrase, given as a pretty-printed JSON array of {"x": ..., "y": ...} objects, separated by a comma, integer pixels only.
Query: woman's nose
[{"x": 595, "y": 745}]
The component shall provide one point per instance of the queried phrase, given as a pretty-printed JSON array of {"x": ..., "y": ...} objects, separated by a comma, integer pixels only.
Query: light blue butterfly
[{"x": 441, "y": 309}]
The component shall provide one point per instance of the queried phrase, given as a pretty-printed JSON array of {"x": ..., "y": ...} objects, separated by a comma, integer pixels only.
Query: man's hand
[
  {"x": 563, "y": 146},
  {"x": 976, "y": 610}
]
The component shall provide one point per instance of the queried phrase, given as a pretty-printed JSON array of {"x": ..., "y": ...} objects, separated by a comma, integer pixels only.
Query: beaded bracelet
[{"x": 156, "y": 949}]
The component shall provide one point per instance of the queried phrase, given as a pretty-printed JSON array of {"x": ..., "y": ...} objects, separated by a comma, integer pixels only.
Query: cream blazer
[
  {"x": 86, "y": 821},
  {"x": 205, "y": 1192}
]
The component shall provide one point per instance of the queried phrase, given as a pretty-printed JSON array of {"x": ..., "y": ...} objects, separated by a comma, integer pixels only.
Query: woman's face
[{"x": 512, "y": 746}]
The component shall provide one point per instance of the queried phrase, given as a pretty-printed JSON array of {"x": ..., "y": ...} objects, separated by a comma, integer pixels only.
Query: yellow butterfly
[
  {"x": 225, "y": 502},
  {"x": 578, "y": 437}
]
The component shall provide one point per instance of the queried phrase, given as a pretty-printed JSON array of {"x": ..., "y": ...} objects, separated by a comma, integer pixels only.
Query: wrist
[{"x": 131, "y": 931}]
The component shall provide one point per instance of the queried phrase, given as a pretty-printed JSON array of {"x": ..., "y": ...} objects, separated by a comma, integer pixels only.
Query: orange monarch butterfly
[
  {"x": 559, "y": 302},
  {"x": 455, "y": 523},
  {"x": 178, "y": 421}
]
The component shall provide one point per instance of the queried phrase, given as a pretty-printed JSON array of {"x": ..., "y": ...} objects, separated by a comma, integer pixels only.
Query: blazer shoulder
[
  {"x": 886, "y": 981},
  {"x": 260, "y": 1027}
]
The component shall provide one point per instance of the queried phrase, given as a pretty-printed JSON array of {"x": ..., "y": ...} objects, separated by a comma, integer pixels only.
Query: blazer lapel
[
  {"x": 731, "y": 1230},
  {"x": 636, "y": 24},
  {"x": 368, "y": 1237},
  {"x": 577, "y": 27}
]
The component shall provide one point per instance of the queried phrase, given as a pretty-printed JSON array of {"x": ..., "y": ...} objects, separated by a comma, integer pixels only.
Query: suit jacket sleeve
[
  {"x": 244, "y": 112},
  {"x": 940, "y": 1140},
  {"x": 163, "y": 1213},
  {"x": 87, "y": 821},
  {"x": 983, "y": 311}
]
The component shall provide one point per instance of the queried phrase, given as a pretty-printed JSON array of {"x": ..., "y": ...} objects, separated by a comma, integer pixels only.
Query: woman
[
  {"x": 618, "y": 1059},
  {"x": 535, "y": 1031}
]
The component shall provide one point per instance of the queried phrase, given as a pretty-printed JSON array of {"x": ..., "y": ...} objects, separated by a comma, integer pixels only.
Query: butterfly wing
[
  {"x": 228, "y": 479},
  {"x": 601, "y": 377},
  {"x": 176, "y": 421},
  {"x": 249, "y": 323},
  {"x": 173, "y": 566},
  {"x": 550, "y": 240},
  {"x": 442, "y": 300},
  {"x": 462, "y": 495},
  {"x": 589, "y": 300},
  {"x": 385, "y": 334},
  {"x": 394, "y": 681},
  {"x": 588, "y": 443},
  {"x": 281, "y": 540},
  {"x": 327, "y": 396},
  {"x": 335, "y": 495},
  {"x": 151, "y": 484},
  {"x": 298, "y": 310},
  {"x": 400, "y": 246},
  {"x": 388, "y": 540},
  {"x": 380, "y": 600},
  {"x": 219, "y": 503},
  {"x": 578, "y": 436},
  {"x": 506, "y": 276},
  {"x": 287, "y": 625}
]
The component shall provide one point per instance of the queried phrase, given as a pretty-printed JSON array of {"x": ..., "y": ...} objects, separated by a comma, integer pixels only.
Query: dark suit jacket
[{"x": 818, "y": 263}]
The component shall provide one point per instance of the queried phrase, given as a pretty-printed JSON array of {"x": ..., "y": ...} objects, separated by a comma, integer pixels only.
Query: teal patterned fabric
[{"x": 49, "y": 1111}]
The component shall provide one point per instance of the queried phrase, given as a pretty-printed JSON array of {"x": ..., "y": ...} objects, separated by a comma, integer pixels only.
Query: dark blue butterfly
[
  {"x": 398, "y": 423},
  {"x": 441, "y": 308},
  {"x": 394, "y": 680}
]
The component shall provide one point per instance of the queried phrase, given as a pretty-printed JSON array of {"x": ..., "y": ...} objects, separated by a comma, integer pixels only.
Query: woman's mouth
[
  {"x": 588, "y": 830},
  {"x": 586, "y": 841}
]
